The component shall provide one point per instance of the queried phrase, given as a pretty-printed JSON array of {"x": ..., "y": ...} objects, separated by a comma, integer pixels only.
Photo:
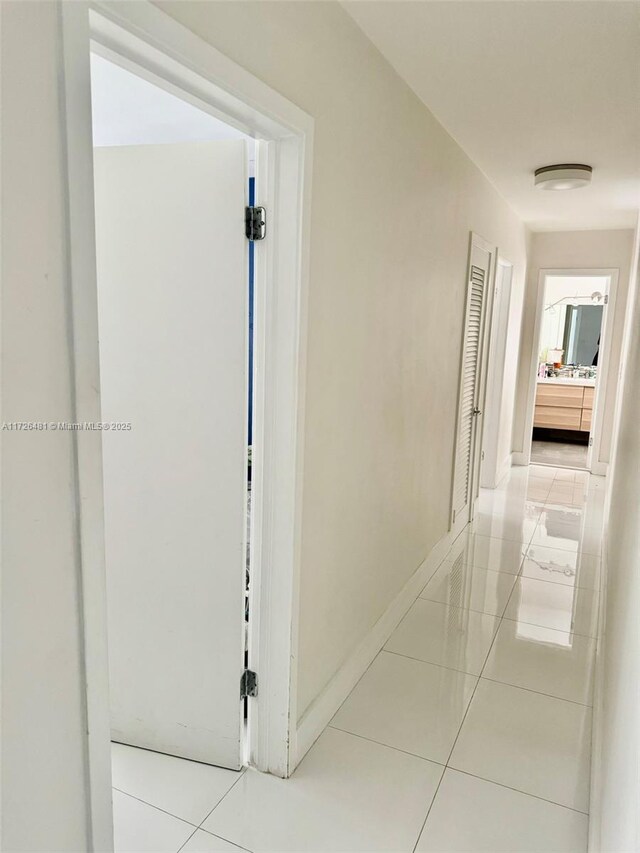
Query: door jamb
[
  {"x": 143, "y": 36},
  {"x": 596, "y": 465},
  {"x": 495, "y": 363}
]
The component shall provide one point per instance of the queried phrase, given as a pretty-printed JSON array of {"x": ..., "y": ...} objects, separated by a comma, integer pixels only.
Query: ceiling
[{"x": 524, "y": 84}]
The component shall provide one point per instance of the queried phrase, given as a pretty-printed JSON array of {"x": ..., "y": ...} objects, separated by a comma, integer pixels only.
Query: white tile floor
[
  {"x": 559, "y": 453},
  {"x": 469, "y": 732}
]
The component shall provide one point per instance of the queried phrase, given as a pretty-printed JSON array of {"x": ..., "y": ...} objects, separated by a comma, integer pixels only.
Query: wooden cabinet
[
  {"x": 569, "y": 396},
  {"x": 557, "y": 417},
  {"x": 563, "y": 406},
  {"x": 589, "y": 395}
]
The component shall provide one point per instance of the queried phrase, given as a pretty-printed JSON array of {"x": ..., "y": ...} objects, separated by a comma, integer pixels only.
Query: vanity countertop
[{"x": 567, "y": 380}]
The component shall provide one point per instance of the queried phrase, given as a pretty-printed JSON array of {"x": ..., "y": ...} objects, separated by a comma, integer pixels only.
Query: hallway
[{"x": 471, "y": 730}]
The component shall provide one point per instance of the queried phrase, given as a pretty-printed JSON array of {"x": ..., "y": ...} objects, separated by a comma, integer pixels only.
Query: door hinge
[
  {"x": 248, "y": 684},
  {"x": 255, "y": 223}
]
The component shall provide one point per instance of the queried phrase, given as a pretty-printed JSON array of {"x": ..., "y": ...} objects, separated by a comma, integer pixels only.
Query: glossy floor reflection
[{"x": 469, "y": 732}]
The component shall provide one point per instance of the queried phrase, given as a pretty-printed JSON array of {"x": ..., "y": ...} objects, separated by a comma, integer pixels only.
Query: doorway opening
[
  {"x": 569, "y": 367},
  {"x": 175, "y": 286},
  {"x": 151, "y": 199}
]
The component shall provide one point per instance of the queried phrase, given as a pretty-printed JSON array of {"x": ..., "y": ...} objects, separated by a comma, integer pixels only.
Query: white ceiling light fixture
[{"x": 563, "y": 176}]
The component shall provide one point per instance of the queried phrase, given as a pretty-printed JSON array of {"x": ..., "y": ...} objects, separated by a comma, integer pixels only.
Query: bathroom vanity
[{"x": 564, "y": 403}]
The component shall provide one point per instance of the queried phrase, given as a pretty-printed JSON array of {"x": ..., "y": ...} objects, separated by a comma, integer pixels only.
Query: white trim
[
  {"x": 524, "y": 457},
  {"x": 595, "y": 789},
  {"x": 279, "y": 343},
  {"x": 594, "y": 464},
  {"x": 492, "y": 469},
  {"x": 504, "y": 469},
  {"x": 324, "y": 707},
  {"x": 141, "y": 35},
  {"x": 594, "y": 461},
  {"x": 86, "y": 407}
]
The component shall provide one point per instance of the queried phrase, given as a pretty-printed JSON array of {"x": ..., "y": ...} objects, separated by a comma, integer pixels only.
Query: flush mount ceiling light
[{"x": 564, "y": 176}]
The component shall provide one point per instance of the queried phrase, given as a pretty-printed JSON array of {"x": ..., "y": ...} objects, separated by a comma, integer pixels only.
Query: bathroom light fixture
[{"x": 563, "y": 176}]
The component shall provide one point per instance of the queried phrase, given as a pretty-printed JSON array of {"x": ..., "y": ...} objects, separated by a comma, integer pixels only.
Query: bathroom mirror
[{"x": 581, "y": 338}]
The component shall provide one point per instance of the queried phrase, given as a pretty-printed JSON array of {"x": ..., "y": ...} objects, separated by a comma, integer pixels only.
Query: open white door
[
  {"x": 466, "y": 477},
  {"x": 172, "y": 289}
]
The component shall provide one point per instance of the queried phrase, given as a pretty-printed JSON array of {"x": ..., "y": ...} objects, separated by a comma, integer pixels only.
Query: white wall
[
  {"x": 552, "y": 331},
  {"x": 44, "y": 796},
  {"x": 394, "y": 200},
  {"x": 615, "y": 816},
  {"x": 573, "y": 250}
]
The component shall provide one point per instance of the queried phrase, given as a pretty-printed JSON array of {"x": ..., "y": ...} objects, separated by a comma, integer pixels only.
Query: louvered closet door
[{"x": 469, "y": 434}]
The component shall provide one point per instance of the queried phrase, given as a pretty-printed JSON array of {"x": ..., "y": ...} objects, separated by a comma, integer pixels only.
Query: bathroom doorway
[{"x": 569, "y": 365}]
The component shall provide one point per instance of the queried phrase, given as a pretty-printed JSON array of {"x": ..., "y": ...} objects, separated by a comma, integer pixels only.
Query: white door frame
[
  {"x": 594, "y": 463},
  {"x": 456, "y": 525},
  {"x": 141, "y": 36},
  {"x": 493, "y": 469}
]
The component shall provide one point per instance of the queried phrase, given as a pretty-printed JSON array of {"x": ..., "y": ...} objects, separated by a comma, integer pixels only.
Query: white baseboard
[
  {"x": 519, "y": 458},
  {"x": 504, "y": 469},
  {"x": 501, "y": 471},
  {"x": 601, "y": 469},
  {"x": 323, "y": 708}
]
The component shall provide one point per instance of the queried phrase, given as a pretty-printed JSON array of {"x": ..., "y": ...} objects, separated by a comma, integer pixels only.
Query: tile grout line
[
  {"x": 464, "y": 717},
  {"x": 210, "y": 812},
  {"x": 478, "y": 681},
  {"x": 187, "y": 840},
  {"x": 469, "y": 609},
  {"x": 518, "y": 576},
  {"x": 426, "y": 817},
  {"x": 222, "y": 838},
  {"x": 387, "y": 745},
  {"x": 475, "y": 675},
  {"x": 537, "y": 692},
  {"x": 439, "y": 665},
  {"x": 480, "y": 677},
  {"x": 152, "y": 806},
  {"x": 517, "y": 790}
]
